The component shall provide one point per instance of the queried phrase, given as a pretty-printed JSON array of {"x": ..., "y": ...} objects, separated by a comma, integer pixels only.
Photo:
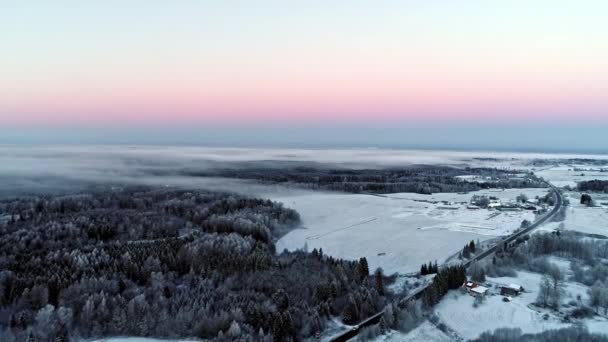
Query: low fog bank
[
  {"x": 68, "y": 169},
  {"x": 58, "y": 169}
]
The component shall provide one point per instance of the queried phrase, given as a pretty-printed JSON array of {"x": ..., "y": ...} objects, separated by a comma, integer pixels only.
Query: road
[
  {"x": 345, "y": 336},
  {"x": 523, "y": 232}
]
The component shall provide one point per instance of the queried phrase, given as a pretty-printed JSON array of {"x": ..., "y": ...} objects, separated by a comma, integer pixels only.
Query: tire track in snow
[{"x": 318, "y": 236}]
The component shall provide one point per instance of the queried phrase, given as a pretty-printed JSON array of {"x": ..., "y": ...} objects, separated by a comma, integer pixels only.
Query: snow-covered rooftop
[
  {"x": 480, "y": 289},
  {"x": 515, "y": 287}
]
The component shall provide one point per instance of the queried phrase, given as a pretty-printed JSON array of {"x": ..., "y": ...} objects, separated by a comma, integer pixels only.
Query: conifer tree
[
  {"x": 379, "y": 275},
  {"x": 466, "y": 252},
  {"x": 363, "y": 268}
]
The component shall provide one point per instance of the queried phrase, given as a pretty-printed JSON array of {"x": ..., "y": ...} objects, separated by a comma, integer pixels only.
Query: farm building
[
  {"x": 511, "y": 290},
  {"x": 494, "y": 205},
  {"x": 475, "y": 289}
]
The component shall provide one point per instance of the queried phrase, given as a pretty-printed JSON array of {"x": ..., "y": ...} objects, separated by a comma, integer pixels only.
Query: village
[{"x": 494, "y": 203}]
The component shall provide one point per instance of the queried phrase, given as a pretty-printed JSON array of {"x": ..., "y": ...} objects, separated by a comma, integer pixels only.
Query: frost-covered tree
[
  {"x": 113, "y": 263},
  {"x": 477, "y": 272}
]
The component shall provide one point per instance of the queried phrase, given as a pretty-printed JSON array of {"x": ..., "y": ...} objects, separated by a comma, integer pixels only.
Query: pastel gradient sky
[{"x": 252, "y": 63}]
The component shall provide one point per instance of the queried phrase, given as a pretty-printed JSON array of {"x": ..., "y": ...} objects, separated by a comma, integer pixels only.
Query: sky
[{"x": 323, "y": 72}]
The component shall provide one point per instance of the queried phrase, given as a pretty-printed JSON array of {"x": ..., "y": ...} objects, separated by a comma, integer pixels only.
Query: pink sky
[{"x": 216, "y": 63}]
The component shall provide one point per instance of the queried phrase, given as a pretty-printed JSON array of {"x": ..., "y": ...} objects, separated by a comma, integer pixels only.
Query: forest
[
  {"x": 593, "y": 185},
  {"x": 168, "y": 263},
  {"x": 564, "y": 334},
  {"x": 417, "y": 179}
]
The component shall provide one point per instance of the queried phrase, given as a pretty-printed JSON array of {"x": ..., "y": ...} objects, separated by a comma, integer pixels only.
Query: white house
[{"x": 475, "y": 289}]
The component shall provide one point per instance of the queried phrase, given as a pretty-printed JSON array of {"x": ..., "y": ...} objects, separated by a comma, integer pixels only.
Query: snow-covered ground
[
  {"x": 564, "y": 175},
  {"x": 397, "y": 232},
  {"x": 138, "y": 339},
  {"x": 424, "y": 332},
  {"x": 597, "y": 325},
  {"x": 581, "y": 218},
  {"x": 590, "y": 220},
  {"x": 457, "y": 311}
]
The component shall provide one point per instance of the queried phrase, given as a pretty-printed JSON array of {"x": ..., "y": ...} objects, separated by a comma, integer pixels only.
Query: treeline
[
  {"x": 467, "y": 250},
  {"x": 530, "y": 254},
  {"x": 449, "y": 278},
  {"x": 167, "y": 263},
  {"x": 593, "y": 185},
  {"x": 419, "y": 179},
  {"x": 429, "y": 269},
  {"x": 576, "y": 333}
]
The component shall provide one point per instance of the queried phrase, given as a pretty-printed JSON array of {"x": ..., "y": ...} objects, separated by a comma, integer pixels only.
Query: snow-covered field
[
  {"x": 590, "y": 220},
  {"x": 581, "y": 218},
  {"x": 564, "y": 175},
  {"x": 457, "y": 311},
  {"x": 424, "y": 332},
  {"x": 138, "y": 339},
  {"x": 397, "y": 232}
]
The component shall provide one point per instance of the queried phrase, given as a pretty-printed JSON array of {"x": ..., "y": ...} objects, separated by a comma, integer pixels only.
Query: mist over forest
[{"x": 64, "y": 169}]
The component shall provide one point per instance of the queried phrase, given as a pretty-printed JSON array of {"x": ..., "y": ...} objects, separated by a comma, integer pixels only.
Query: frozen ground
[
  {"x": 424, "y": 332},
  {"x": 138, "y": 339},
  {"x": 494, "y": 313},
  {"x": 485, "y": 222},
  {"x": 397, "y": 232},
  {"x": 581, "y": 218},
  {"x": 590, "y": 220},
  {"x": 597, "y": 325},
  {"x": 564, "y": 175}
]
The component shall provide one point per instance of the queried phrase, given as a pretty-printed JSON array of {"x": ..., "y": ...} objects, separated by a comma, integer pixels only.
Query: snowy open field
[
  {"x": 565, "y": 175},
  {"x": 590, "y": 220},
  {"x": 581, "y": 218},
  {"x": 424, "y": 332},
  {"x": 138, "y": 339},
  {"x": 397, "y": 232}
]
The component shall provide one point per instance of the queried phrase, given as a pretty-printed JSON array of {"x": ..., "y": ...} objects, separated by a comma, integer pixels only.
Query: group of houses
[
  {"x": 494, "y": 203},
  {"x": 477, "y": 290}
]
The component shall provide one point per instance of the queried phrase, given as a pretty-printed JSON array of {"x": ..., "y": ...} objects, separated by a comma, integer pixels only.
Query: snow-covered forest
[
  {"x": 167, "y": 263},
  {"x": 415, "y": 179}
]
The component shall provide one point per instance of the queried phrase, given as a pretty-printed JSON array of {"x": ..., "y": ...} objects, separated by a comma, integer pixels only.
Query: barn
[{"x": 511, "y": 290}]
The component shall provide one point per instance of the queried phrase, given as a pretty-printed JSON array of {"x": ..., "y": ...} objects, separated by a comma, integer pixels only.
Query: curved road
[{"x": 374, "y": 319}]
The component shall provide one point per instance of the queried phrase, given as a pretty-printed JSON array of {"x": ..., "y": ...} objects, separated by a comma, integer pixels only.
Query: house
[
  {"x": 475, "y": 289},
  {"x": 511, "y": 290},
  {"x": 509, "y": 207},
  {"x": 494, "y": 205},
  {"x": 479, "y": 291}
]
